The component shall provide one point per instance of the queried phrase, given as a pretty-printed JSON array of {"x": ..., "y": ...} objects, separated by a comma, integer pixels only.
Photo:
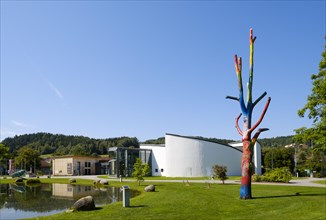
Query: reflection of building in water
[{"x": 72, "y": 191}]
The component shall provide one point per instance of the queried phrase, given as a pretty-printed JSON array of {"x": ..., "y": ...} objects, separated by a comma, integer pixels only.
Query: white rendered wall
[
  {"x": 158, "y": 158},
  {"x": 189, "y": 157},
  {"x": 257, "y": 158}
]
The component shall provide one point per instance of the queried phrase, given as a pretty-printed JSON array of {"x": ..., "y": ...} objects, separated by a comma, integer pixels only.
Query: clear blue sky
[{"x": 139, "y": 68}]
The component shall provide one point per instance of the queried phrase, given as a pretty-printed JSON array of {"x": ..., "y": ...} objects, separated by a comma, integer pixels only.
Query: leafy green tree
[
  {"x": 220, "y": 172},
  {"x": 27, "y": 157},
  {"x": 79, "y": 151},
  {"x": 4, "y": 157},
  {"x": 316, "y": 108},
  {"x": 278, "y": 157},
  {"x": 4, "y": 152},
  {"x": 140, "y": 170}
]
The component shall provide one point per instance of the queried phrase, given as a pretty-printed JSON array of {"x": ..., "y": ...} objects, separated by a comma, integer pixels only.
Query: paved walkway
[{"x": 295, "y": 182}]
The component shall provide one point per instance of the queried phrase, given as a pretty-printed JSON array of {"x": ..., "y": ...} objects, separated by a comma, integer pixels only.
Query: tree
[
  {"x": 247, "y": 109},
  {"x": 316, "y": 108},
  {"x": 27, "y": 158},
  {"x": 4, "y": 157},
  {"x": 220, "y": 172},
  {"x": 4, "y": 152},
  {"x": 140, "y": 170},
  {"x": 278, "y": 157}
]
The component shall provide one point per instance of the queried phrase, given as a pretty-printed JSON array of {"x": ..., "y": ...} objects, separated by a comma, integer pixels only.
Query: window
[
  {"x": 69, "y": 168},
  {"x": 162, "y": 170},
  {"x": 156, "y": 170},
  {"x": 87, "y": 164}
]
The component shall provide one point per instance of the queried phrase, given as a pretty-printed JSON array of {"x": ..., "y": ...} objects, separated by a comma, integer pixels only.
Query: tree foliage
[
  {"x": 4, "y": 152},
  {"x": 58, "y": 144},
  {"x": 27, "y": 157},
  {"x": 220, "y": 172},
  {"x": 316, "y": 110},
  {"x": 278, "y": 157},
  {"x": 140, "y": 170}
]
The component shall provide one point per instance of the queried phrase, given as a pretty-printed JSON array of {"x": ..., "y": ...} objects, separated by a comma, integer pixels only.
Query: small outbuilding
[{"x": 78, "y": 165}]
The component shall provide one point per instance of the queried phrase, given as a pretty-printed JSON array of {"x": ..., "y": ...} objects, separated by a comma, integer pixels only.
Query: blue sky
[{"x": 145, "y": 68}]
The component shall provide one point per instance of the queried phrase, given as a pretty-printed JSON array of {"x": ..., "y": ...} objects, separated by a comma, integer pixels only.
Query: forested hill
[
  {"x": 161, "y": 140},
  {"x": 59, "y": 144},
  {"x": 264, "y": 142}
]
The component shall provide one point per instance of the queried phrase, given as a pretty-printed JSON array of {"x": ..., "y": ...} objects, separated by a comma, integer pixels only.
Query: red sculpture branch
[
  {"x": 261, "y": 117},
  {"x": 237, "y": 124}
]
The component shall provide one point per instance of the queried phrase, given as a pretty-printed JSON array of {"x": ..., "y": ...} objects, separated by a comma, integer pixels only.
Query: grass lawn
[
  {"x": 320, "y": 182},
  {"x": 149, "y": 178},
  {"x": 198, "y": 201}
]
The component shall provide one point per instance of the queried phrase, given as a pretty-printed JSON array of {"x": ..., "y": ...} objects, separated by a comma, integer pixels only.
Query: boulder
[
  {"x": 72, "y": 180},
  {"x": 104, "y": 182},
  {"x": 19, "y": 180},
  {"x": 84, "y": 204},
  {"x": 96, "y": 182},
  {"x": 150, "y": 188}
]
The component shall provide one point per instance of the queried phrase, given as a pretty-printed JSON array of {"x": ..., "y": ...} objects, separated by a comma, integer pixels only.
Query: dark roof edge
[{"x": 203, "y": 139}]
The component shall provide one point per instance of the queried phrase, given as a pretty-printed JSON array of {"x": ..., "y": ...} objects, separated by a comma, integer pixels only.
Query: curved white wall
[{"x": 191, "y": 157}]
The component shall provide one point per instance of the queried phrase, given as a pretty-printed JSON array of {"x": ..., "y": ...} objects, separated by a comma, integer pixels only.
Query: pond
[{"x": 20, "y": 201}]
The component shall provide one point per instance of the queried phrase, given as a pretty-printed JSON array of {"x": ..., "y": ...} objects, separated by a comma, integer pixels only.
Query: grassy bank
[{"x": 198, "y": 201}]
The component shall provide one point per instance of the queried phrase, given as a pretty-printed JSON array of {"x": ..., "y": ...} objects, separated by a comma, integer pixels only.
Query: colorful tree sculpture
[{"x": 248, "y": 142}]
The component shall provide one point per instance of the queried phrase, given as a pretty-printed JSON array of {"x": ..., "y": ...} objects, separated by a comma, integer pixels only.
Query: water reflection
[{"x": 20, "y": 201}]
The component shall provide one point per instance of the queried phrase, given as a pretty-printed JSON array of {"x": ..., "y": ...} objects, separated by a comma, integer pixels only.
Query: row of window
[
  {"x": 87, "y": 166},
  {"x": 156, "y": 170}
]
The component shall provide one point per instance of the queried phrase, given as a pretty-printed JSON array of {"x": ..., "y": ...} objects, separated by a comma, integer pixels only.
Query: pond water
[{"x": 20, "y": 201}]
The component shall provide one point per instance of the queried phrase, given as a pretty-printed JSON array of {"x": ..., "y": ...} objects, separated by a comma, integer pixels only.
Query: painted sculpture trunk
[
  {"x": 247, "y": 109},
  {"x": 246, "y": 170}
]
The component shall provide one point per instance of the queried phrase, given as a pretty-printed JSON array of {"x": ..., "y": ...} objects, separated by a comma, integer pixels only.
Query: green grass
[
  {"x": 198, "y": 201},
  {"x": 149, "y": 178},
  {"x": 320, "y": 182}
]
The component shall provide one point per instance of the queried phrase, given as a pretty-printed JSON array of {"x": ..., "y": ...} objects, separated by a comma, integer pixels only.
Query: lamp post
[
  {"x": 295, "y": 160},
  {"x": 272, "y": 157}
]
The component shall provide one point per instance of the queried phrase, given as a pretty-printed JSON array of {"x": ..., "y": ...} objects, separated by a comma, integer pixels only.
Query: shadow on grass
[
  {"x": 292, "y": 195},
  {"x": 137, "y": 206},
  {"x": 96, "y": 209}
]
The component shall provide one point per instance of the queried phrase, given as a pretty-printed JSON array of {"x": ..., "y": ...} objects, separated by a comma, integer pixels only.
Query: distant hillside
[
  {"x": 265, "y": 142},
  {"x": 59, "y": 144},
  {"x": 276, "y": 141}
]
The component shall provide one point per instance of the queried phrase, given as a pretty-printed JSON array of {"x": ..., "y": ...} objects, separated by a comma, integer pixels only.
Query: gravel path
[{"x": 295, "y": 182}]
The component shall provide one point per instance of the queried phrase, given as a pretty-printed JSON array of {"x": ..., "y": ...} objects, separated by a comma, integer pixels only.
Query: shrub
[
  {"x": 220, "y": 172},
  {"x": 282, "y": 175},
  {"x": 257, "y": 178},
  {"x": 33, "y": 181}
]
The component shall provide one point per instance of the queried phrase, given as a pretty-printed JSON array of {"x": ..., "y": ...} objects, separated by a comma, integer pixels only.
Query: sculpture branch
[
  {"x": 238, "y": 69},
  {"x": 262, "y": 115},
  {"x": 232, "y": 97},
  {"x": 237, "y": 124},
  {"x": 251, "y": 72},
  {"x": 254, "y": 139},
  {"x": 260, "y": 98}
]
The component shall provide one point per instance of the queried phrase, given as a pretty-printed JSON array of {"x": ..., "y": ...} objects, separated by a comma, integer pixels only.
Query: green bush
[
  {"x": 282, "y": 175},
  {"x": 33, "y": 181},
  {"x": 257, "y": 178},
  {"x": 220, "y": 172}
]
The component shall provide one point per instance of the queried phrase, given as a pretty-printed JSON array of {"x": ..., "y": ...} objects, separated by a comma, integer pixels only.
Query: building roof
[
  {"x": 75, "y": 156},
  {"x": 204, "y": 139}
]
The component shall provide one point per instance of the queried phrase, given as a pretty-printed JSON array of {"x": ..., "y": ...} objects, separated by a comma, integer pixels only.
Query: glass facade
[{"x": 123, "y": 159}]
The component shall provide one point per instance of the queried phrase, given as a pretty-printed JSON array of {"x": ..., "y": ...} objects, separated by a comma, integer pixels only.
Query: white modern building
[{"x": 183, "y": 156}]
